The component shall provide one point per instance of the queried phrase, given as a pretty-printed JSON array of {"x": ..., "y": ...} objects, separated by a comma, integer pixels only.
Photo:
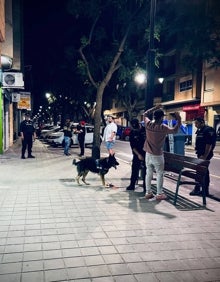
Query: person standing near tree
[
  {"x": 156, "y": 133},
  {"x": 28, "y": 135},
  {"x": 67, "y": 130},
  {"x": 205, "y": 144},
  {"x": 110, "y": 134},
  {"x": 81, "y": 137},
  {"x": 137, "y": 138}
]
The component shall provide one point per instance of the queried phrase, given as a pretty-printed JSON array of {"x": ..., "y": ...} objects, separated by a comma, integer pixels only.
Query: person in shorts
[{"x": 110, "y": 134}]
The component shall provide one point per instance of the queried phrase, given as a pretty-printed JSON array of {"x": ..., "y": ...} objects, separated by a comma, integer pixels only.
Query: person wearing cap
[
  {"x": 204, "y": 146},
  {"x": 110, "y": 134},
  {"x": 137, "y": 139},
  {"x": 28, "y": 135},
  {"x": 156, "y": 133},
  {"x": 81, "y": 137}
]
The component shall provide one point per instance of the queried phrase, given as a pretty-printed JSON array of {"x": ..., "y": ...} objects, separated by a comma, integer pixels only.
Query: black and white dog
[{"x": 100, "y": 166}]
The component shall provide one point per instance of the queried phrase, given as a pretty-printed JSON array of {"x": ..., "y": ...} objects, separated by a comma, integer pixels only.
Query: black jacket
[{"x": 205, "y": 135}]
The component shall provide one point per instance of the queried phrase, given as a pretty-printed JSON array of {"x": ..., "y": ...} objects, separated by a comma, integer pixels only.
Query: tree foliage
[{"x": 108, "y": 25}]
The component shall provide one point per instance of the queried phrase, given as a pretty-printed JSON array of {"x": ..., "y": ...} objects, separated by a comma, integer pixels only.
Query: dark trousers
[
  {"x": 82, "y": 146},
  {"x": 207, "y": 181},
  {"x": 27, "y": 144},
  {"x": 136, "y": 166}
]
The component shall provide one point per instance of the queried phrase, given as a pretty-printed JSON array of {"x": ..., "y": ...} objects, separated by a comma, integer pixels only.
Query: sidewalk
[{"x": 51, "y": 229}]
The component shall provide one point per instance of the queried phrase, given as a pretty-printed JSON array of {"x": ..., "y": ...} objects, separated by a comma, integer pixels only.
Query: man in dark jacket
[
  {"x": 28, "y": 135},
  {"x": 205, "y": 144},
  {"x": 81, "y": 137},
  {"x": 137, "y": 139}
]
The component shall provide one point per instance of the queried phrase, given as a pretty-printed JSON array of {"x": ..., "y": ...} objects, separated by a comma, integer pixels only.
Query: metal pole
[{"x": 149, "y": 93}]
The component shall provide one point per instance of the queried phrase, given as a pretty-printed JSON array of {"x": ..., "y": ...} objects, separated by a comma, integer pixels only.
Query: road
[{"x": 123, "y": 153}]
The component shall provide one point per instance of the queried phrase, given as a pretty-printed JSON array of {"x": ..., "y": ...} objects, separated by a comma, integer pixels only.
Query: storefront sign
[{"x": 25, "y": 101}]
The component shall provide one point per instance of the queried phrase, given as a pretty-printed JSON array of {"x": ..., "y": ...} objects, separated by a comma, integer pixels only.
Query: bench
[{"x": 187, "y": 167}]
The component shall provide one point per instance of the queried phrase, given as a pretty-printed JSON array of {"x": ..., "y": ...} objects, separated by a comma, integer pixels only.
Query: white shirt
[{"x": 109, "y": 129}]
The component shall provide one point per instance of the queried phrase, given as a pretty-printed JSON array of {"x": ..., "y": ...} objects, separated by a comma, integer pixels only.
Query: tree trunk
[{"x": 97, "y": 119}]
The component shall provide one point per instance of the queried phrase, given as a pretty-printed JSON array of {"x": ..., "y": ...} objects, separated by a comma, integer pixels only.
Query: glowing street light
[{"x": 140, "y": 78}]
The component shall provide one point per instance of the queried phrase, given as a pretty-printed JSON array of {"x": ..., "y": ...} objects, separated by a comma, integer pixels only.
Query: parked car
[
  {"x": 47, "y": 130},
  {"x": 120, "y": 130},
  {"x": 57, "y": 138},
  {"x": 126, "y": 133}
]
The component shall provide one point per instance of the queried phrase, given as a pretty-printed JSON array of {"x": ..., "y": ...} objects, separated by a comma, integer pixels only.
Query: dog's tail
[{"x": 74, "y": 162}]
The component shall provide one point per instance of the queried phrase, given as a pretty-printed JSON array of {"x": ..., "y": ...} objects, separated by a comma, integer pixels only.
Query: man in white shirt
[{"x": 110, "y": 134}]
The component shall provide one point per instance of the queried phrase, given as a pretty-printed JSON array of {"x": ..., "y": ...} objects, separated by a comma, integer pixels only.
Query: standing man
[
  {"x": 81, "y": 137},
  {"x": 110, "y": 134},
  {"x": 28, "y": 135},
  {"x": 67, "y": 130},
  {"x": 205, "y": 144},
  {"x": 137, "y": 139},
  {"x": 156, "y": 133}
]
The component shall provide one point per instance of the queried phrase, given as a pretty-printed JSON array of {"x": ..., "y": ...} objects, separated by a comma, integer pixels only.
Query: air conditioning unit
[{"x": 12, "y": 80}]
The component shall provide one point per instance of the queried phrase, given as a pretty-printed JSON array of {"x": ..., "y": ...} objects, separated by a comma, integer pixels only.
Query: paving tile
[
  {"x": 13, "y": 257},
  {"x": 32, "y": 247},
  {"x": 13, "y": 249},
  {"x": 74, "y": 262},
  {"x": 55, "y": 275},
  {"x": 51, "y": 246},
  {"x": 69, "y": 244},
  {"x": 107, "y": 250},
  {"x": 94, "y": 260},
  {"x": 139, "y": 267},
  {"x": 32, "y": 276},
  {"x": 99, "y": 271},
  {"x": 78, "y": 273},
  {"x": 71, "y": 253},
  {"x": 38, "y": 255},
  {"x": 9, "y": 268},
  {"x": 32, "y": 239},
  {"x": 90, "y": 251},
  {"x": 29, "y": 266},
  {"x": 11, "y": 277},
  {"x": 119, "y": 269},
  {"x": 113, "y": 258}
]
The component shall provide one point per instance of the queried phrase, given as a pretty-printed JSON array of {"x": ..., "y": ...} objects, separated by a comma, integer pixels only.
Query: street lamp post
[{"x": 149, "y": 94}]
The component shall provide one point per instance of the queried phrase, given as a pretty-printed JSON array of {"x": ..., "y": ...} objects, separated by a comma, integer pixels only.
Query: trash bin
[
  {"x": 179, "y": 140},
  {"x": 179, "y": 144},
  {"x": 175, "y": 143}
]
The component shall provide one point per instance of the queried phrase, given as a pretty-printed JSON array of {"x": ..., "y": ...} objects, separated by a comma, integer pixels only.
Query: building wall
[{"x": 2, "y": 21}]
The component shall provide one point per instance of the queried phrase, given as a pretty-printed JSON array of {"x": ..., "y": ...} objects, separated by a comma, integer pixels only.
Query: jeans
[
  {"x": 66, "y": 144},
  {"x": 154, "y": 163}
]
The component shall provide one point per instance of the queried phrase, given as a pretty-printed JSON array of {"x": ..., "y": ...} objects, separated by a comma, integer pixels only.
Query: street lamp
[
  {"x": 140, "y": 78},
  {"x": 149, "y": 93}
]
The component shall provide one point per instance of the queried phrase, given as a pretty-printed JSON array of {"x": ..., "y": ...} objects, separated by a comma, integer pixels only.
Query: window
[
  {"x": 186, "y": 85},
  {"x": 209, "y": 82}
]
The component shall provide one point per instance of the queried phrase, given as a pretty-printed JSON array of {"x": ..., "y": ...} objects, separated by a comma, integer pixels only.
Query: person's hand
[{"x": 140, "y": 157}]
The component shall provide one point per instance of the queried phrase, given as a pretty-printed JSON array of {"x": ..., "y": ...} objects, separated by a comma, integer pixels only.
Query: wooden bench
[{"x": 187, "y": 167}]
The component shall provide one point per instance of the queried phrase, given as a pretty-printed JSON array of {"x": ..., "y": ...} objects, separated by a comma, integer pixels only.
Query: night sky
[{"x": 46, "y": 25}]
